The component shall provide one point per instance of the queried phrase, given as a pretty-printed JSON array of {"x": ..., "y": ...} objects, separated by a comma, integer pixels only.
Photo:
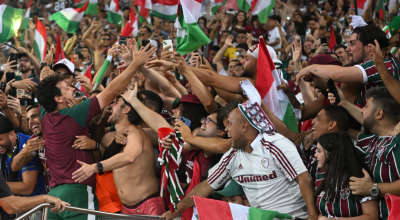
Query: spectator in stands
[
  {"x": 78, "y": 61},
  {"x": 341, "y": 52},
  {"x": 274, "y": 38}
]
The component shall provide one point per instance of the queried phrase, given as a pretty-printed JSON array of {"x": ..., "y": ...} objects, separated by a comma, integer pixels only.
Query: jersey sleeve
[
  {"x": 286, "y": 157},
  {"x": 221, "y": 172},
  {"x": 85, "y": 111},
  {"x": 34, "y": 164}
]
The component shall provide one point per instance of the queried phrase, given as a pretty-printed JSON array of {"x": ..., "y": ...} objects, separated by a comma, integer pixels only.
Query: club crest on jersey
[
  {"x": 344, "y": 193},
  {"x": 380, "y": 151},
  {"x": 240, "y": 167},
  {"x": 265, "y": 162}
]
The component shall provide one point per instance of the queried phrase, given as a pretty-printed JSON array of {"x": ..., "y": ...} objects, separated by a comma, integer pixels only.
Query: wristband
[
  {"x": 97, "y": 146},
  {"x": 112, "y": 128}
]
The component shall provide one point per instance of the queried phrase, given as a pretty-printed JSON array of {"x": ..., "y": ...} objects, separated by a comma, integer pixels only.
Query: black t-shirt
[{"x": 5, "y": 190}]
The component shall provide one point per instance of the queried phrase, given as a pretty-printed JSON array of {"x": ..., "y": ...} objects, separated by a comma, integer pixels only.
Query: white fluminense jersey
[{"x": 266, "y": 174}]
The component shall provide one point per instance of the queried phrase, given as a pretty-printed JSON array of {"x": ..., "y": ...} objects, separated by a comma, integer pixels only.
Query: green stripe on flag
[
  {"x": 114, "y": 18},
  {"x": 290, "y": 120},
  {"x": 189, "y": 37},
  {"x": 243, "y": 5},
  {"x": 255, "y": 214},
  {"x": 67, "y": 25},
  {"x": 154, "y": 13},
  {"x": 263, "y": 15},
  {"x": 37, "y": 51},
  {"x": 11, "y": 21},
  {"x": 25, "y": 24},
  {"x": 90, "y": 10}
]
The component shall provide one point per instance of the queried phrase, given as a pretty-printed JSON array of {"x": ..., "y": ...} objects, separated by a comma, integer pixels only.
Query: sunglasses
[{"x": 107, "y": 39}]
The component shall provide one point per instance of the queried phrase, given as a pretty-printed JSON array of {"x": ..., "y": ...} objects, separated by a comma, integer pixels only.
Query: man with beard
[
  {"x": 28, "y": 65},
  {"x": 133, "y": 165},
  {"x": 364, "y": 72},
  {"x": 378, "y": 146},
  {"x": 270, "y": 184},
  {"x": 34, "y": 147}
]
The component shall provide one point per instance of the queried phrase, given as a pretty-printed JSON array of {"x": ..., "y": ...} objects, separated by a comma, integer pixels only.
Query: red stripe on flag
[
  {"x": 79, "y": 10},
  {"x": 253, "y": 4},
  {"x": 332, "y": 40},
  {"x": 209, "y": 209},
  {"x": 265, "y": 66},
  {"x": 59, "y": 51},
  {"x": 132, "y": 16},
  {"x": 88, "y": 72},
  {"x": 167, "y": 2},
  {"x": 29, "y": 5},
  {"x": 141, "y": 3},
  {"x": 116, "y": 5},
  {"x": 199, "y": 1},
  {"x": 42, "y": 31},
  {"x": 144, "y": 12}
]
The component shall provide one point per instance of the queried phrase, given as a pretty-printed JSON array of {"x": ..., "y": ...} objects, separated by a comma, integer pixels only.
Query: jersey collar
[{"x": 256, "y": 140}]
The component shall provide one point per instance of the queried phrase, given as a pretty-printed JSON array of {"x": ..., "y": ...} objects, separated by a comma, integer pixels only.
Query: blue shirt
[{"x": 34, "y": 164}]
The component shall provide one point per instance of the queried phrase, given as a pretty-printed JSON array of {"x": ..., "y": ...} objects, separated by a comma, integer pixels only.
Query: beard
[
  {"x": 354, "y": 61},
  {"x": 368, "y": 124},
  {"x": 24, "y": 69},
  {"x": 114, "y": 118},
  {"x": 247, "y": 73}
]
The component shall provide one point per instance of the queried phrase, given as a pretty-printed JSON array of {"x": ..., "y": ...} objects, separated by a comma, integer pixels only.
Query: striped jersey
[
  {"x": 371, "y": 77},
  {"x": 382, "y": 156},
  {"x": 266, "y": 174}
]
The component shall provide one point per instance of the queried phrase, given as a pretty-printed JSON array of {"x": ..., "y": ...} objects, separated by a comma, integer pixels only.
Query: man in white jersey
[{"x": 264, "y": 163}]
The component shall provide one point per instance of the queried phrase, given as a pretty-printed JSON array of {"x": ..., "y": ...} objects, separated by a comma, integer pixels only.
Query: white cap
[
  {"x": 253, "y": 51},
  {"x": 357, "y": 21},
  {"x": 65, "y": 63}
]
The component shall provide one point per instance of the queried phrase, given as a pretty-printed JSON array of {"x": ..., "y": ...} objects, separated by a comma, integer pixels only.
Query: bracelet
[
  {"x": 97, "y": 146},
  {"x": 296, "y": 72}
]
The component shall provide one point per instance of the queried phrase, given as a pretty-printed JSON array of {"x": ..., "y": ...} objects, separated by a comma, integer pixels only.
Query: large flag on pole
[
  {"x": 25, "y": 22},
  {"x": 134, "y": 22},
  {"x": 261, "y": 8},
  {"x": 165, "y": 9},
  {"x": 91, "y": 8},
  {"x": 210, "y": 209},
  {"x": 189, "y": 36},
  {"x": 10, "y": 21},
  {"x": 115, "y": 14},
  {"x": 68, "y": 19},
  {"x": 40, "y": 43},
  {"x": 268, "y": 80},
  {"x": 361, "y": 5},
  {"x": 59, "y": 50},
  {"x": 144, "y": 7}
]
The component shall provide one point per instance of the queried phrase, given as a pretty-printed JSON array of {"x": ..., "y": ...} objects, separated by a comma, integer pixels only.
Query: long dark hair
[
  {"x": 342, "y": 163},
  {"x": 193, "y": 112},
  {"x": 235, "y": 20}
]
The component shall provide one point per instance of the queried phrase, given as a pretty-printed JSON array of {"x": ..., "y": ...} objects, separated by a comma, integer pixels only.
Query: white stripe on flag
[
  {"x": 261, "y": 5},
  {"x": 40, "y": 42},
  {"x": 2, "y": 9},
  {"x": 191, "y": 10},
  {"x": 180, "y": 31},
  {"x": 72, "y": 15},
  {"x": 28, "y": 12},
  {"x": 165, "y": 9},
  {"x": 239, "y": 211}
]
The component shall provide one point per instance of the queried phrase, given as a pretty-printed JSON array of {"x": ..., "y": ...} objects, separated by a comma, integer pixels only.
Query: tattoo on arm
[
  {"x": 20, "y": 160},
  {"x": 315, "y": 70}
]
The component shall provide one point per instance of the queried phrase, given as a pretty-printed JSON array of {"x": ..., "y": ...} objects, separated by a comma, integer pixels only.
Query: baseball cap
[
  {"x": 394, "y": 25},
  {"x": 189, "y": 98},
  {"x": 67, "y": 64},
  {"x": 253, "y": 51},
  {"x": 232, "y": 188}
]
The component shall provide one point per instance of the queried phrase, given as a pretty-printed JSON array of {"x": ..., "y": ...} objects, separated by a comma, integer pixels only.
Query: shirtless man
[{"x": 133, "y": 166}]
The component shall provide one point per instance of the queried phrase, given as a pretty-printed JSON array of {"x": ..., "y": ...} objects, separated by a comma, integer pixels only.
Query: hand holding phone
[
  {"x": 186, "y": 121},
  {"x": 167, "y": 43}
]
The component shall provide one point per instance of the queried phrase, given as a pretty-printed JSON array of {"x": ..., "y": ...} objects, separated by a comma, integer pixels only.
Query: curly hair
[{"x": 47, "y": 90}]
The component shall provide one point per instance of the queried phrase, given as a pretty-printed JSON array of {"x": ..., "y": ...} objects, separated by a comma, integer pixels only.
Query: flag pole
[{"x": 355, "y": 7}]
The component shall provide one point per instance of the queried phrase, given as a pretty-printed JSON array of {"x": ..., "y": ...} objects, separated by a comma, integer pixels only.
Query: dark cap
[
  {"x": 5, "y": 125},
  {"x": 232, "y": 188},
  {"x": 189, "y": 98},
  {"x": 22, "y": 55}
]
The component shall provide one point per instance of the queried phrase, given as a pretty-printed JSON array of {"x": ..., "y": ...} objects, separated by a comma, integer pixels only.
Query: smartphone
[
  {"x": 332, "y": 89},
  {"x": 10, "y": 76},
  {"x": 3, "y": 86},
  {"x": 186, "y": 121},
  {"x": 167, "y": 43},
  {"x": 79, "y": 94},
  {"x": 14, "y": 56},
  {"x": 144, "y": 43},
  {"x": 12, "y": 92},
  {"x": 122, "y": 40},
  {"x": 35, "y": 79},
  {"x": 323, "y": 40},
  {"x": 200, "y": 56},
  {"x": 26, "y": 102}
]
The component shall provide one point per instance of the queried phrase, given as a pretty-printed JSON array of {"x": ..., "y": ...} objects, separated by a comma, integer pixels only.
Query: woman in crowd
[{"x": 337, "y": 162}]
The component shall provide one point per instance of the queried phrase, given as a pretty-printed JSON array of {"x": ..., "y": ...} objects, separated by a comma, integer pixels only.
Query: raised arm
[
  {"x": 162, "y": 83},
  {"x": 336, "y": 73},
  {"x": 118, "y": 85},
  {"x": 220, "y": 54},
  {"x": 88, "y": 33}
]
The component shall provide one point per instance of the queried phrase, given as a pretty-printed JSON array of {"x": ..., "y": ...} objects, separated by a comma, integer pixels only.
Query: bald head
[{"x": 240, "y": 130}]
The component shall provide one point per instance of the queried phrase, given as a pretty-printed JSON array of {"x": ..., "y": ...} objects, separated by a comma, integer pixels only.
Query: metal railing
[{"x": 45, "y": 207}]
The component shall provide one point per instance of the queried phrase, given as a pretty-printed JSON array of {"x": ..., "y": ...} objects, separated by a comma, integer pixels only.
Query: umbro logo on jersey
[
  {"x": 250, "y": 179},
  {"x": 240, "y": 167}
]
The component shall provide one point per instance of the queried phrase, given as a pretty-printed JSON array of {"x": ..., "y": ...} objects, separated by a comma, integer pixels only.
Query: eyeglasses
[
  {"x": 23, "y": 60},
  {"x": 107, "y": 39},
  {"x": 207, "y": 120}
]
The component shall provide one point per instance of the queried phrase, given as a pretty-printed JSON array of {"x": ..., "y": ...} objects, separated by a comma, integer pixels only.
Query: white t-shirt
[
  {"x": 266, "y": 174},
  {"x": 272, "y": 36}
]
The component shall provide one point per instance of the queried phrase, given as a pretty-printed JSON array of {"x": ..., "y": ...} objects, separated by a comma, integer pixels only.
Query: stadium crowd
[{"x": 298, "y": 113}]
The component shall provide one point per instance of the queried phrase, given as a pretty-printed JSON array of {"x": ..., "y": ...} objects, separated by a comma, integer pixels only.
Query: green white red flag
[
  {"x": 144, "y": 7},
  {"x": 210, "y": 209},
  {"x": 91, "y": 8},
  {"x": 59, "y": 50},
  {"x": 25, "y": 21},
  {"x": 10, "y": 21},
  {"x": 216, "y": 5},
  {"x": 134, "y": 22},
  {"x": 40, "y": 43},
  {"x": 189, "y": 36},
  {"x": 68, "y": 19},
  {"x": 261, "y": 8},
  {"x": 115, "y": 14},
  {"x": 165, "y": 9}
]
